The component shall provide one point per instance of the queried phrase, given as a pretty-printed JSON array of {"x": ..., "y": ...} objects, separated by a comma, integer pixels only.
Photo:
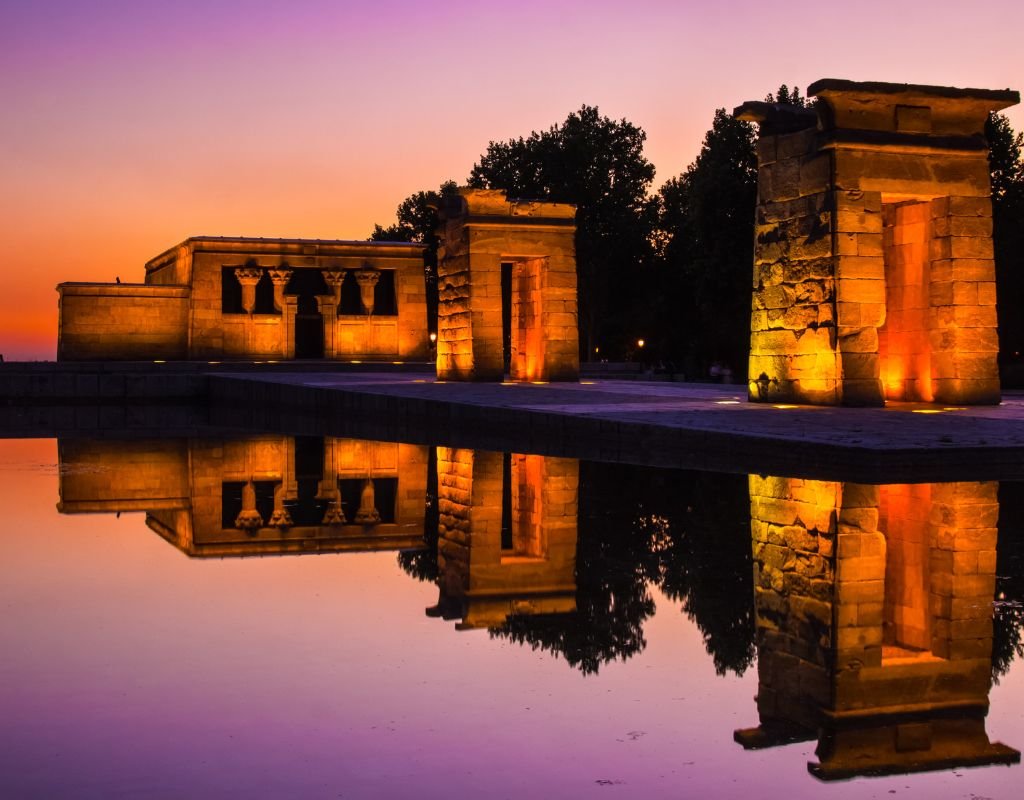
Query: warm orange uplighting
[{"x": 926, "y": 411}]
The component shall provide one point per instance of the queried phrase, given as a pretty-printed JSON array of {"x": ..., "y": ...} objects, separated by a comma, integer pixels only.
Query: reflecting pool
[{"x": 309, "y": 616}]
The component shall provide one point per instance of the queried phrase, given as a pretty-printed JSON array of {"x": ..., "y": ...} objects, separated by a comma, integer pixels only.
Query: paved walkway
[{"x": 909, "y": 434}]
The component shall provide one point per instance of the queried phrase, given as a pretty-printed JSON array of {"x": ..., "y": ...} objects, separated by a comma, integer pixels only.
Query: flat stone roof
[{"x": 998, "y": 98}]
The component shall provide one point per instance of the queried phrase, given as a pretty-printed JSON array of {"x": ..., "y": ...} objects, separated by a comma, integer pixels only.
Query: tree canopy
[
  {"x": 1006, "y": 163},
  {"x": 598, "y": 164}
]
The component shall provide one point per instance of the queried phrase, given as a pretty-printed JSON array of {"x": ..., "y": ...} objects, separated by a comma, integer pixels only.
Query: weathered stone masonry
[
  {"x": 480, "y": 231},
  {"x": 873, "y": 271}
]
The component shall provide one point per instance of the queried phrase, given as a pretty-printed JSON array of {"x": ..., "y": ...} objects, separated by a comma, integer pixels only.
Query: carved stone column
[
  {"x": 249, "y": 519},
  {"x": 291, "y": 308},
  {"x": 280, "y": 518},
  {"x": 248, "y": 277},
  {"x": 334, "y": 278},
  {"x": 367, "y": 279},
  {"x": 367, "y": 513},
  {"x": 327, "y": 487},
  {"x": 280, "y": 278},
  {"x": 328, "y": 305}
]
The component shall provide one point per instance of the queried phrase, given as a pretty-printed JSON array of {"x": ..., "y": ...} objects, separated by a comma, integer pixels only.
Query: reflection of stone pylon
[
  {"x": 280, "y": 519},
  {"x": 367, "y": 513},
  {"x": 334, "y": 515},
  {"x": 249, "y": 519}
]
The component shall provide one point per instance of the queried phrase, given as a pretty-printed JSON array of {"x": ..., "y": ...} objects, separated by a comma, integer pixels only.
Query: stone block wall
[
  {"x": 873, "y": 270},
  {"x": 108, "y": 476},
  {"x": 480, "y": 231},
  {"x": 793, "y": 334},
  {"x": 122, "y": 322}
]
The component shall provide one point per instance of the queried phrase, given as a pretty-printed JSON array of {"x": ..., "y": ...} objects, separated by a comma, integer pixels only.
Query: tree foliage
[
  {"x": 597, "y": 164},
  {"x": 705, "y": 222},
  {"x": 1006, "y": 162},
  {"x": 416, "y": 221}
]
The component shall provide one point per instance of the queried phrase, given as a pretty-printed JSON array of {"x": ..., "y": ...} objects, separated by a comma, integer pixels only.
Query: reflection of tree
[
  {"x": 706, "y": 563},
  {"x": 688, "y": 531},
  {"x": 1008, "y": 620}
]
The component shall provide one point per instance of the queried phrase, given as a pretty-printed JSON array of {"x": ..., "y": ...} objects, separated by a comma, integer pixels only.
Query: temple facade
[
  {"x": 874, "y": 277},
  {"x": 246, "y": 298},
  {"x": 253, "y": 496}
]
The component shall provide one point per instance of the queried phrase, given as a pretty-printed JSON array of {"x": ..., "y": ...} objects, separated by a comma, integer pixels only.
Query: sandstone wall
[
  {"x": 122, "y": 322},
  {"x": 485, "y": 231}
]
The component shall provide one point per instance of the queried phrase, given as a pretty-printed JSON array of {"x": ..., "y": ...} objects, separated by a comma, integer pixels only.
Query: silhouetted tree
[
  {"x": 706, "y": 562},
  {"x": 1007, "y": 167},
  {"x": 417, "y": 222},
  {"x": 706, "y": 231},
  {"x": 598, "y": 164}
]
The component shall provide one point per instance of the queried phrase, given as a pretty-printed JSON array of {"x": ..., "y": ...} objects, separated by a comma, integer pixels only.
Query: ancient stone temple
[
  {"x": 873, "y": 609},
  {"x": 873, "y": 267},
  {"x": 506, "y": 536},
  {"x": 263, "y": 495},
  {"x": 242, "y": 298},
  {"x": 507, "y": 284}
]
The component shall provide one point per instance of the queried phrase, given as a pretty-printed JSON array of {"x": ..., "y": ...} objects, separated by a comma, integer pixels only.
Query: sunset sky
[{"x": 129, "y": 126}]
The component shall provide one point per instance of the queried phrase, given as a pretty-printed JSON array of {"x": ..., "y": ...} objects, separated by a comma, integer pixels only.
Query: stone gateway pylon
[
  {"x": 874, "y": 277},
  {"x": 507, "y": 289}
]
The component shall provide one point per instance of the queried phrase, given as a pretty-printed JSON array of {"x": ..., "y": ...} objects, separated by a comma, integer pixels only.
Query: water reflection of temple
[
  {"x": 506, "y": 536},
  {"x": 874, "y": 623},
  {"x": 255, "y": 496}
]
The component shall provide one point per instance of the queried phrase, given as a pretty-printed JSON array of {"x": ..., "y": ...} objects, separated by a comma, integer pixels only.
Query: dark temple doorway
[
  {"x": 506, "y": 315},
  {"x": 306, "y": 284}
]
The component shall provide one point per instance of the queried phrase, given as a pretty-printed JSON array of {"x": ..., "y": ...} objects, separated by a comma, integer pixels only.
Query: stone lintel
[
  {"x": 776, "y": 118},
  {"x": 293, "y": 248},
  {"x": 494, "y": 205},
  {"x": 78, "y": 288},
  {"x": 926, "y": 111}
]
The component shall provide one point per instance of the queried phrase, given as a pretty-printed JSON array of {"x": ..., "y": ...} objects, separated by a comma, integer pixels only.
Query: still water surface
[{"x": 433, "y": 622}]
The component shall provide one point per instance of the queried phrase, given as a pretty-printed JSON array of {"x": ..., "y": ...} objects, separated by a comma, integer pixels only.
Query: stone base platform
[
  {"x": 703, "y": 426},
  {"x": 698, "y": 426}
]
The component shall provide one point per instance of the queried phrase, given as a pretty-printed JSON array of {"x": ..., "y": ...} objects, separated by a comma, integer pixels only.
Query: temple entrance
[
  {"x": 306, "y": 284},
  {"x": 506, "y": 316},
  {"x": 904, "y": 344}
]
